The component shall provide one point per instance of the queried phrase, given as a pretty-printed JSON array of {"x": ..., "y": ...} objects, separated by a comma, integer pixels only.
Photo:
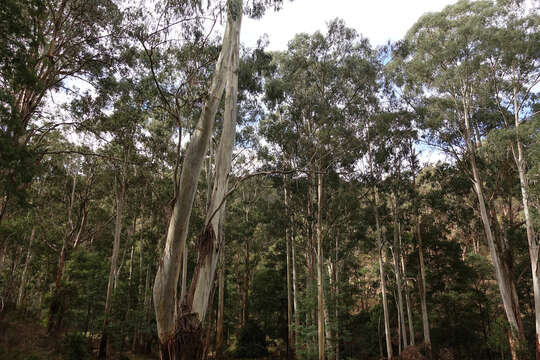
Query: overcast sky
[{"x": 378, "y": 20}]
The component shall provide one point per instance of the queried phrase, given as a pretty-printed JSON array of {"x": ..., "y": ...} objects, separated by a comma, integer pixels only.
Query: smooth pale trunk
[
  {"x": 380, "y": 251},
  {"x": 407, "y": 294},
  {"x": 221, "y": 305},
  {"x": 504, "y": 286},
  {"x": 327, "y": 334},
  {"x": 531, "y": 238},
  {"x": 408, "y": 305},
  {"x": 320, "y": 290},
  {"x": 289, "y": 297},
  {"x": 120, "y": 197},
  {"x": 336, "y": 282},
  {"x": 25, "y": 270},
  {"x": 422, "y": 288},
  {"x": 65, "y": 240},
  {"x": 183, "y": 289},
  {"x": 166, "y": 280},
  {"x": 188, "y": 339},
  {"x": 291, "y": 348},
  {"x": 295, "y": 292},
  {"x": 397, "y": 272}
]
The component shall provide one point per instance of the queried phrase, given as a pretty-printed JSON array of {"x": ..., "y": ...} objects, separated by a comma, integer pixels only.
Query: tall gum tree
[
  {"x": 442, "y": 54},
  {"x": 176, "y": 331},
  {"x": 512, "y": 50},
  {"x": 323, "y": 85},
  {"x": 44, "y": 43}
]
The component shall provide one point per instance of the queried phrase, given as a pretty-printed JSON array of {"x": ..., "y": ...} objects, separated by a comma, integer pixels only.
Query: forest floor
[{"x": 24, "y": 338}]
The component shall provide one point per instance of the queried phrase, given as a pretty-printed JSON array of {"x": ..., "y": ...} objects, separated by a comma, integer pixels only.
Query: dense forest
[{"x": 169, "y": 193}]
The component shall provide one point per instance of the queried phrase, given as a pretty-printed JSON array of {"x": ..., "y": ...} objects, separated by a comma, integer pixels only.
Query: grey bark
[
  {"x": 113, "y": 273},
  {"x": 206, "y": 266},
  {"x": 534, "y": 247},
  {"x": 501, "y": 276},
  {"x": 166, "y": 280},
  {"x": 221, "y": 305},
  {"x": 295, "y": 292},
  {"x": 291, "y": 336},
  {"x": 397, "y": 272},
  {"x": 381, "y": 251},
  {"x": 320, "y": 259},
  {"x": 25, "y": 270},
  {"x": 422, "y": 287},
  {"x": 407, "y": 296}
]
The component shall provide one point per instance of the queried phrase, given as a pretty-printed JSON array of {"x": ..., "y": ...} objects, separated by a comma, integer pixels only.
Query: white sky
[{"x": 377, "y": 20}]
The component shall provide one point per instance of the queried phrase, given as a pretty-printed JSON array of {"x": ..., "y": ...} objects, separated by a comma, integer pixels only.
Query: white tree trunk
[
  {"x": 380, "y": 248},
  {"x": 184, "y": 338},
  {"x": 25, "y": 270},
  {"x": 502, "y": 280},
  {"x": 120, "y": 197},
  {"x": 183, "y": 289},
  {"x": 291, "y": 336},
  {"x": 534, "y": 247},
  {"x": 208, "y": 252},
  {"x": 397, "y": 272},
  {"x": 408, "y": 304},
  {"x": 422, "y": 287},
  {"x": 166, "y": 280},
  {"x": 295, "y": 293},
  {"x": 221, "y": 305},
  {"x": 320, "y": 259}
]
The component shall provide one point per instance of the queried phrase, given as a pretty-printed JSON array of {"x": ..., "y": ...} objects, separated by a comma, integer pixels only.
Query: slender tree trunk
[
  {"x": 408, "y": 305},
  {"x": 25, "y": 270},
  {"x": 327, "y": 334},
  {"x": 165, "y": 284},
  {"x": 290, "y": 342},
  {"x": 336, "y": 302},
  {"x": 397, "y": 255},
  {"x": 120, "y": 197},
  {"x": 381, "y": 251},
  {"x": 295, "y": 294},
  {"x": 245, "y": 286},
  {"x": 56, "y": 307},
  {"x": 422, "y": 289},
  {"x": 502, "y": 279},
  {"x": 320, "y": 290},
  {"x": 290, "y": 338},
  {"x": 534, "y": 247},
  {"x": 221, "y": 305}
]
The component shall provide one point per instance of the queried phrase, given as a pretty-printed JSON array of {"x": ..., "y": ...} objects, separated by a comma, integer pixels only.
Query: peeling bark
[
  {"x": 165, "y": 284},
  {"x": 180, "y": 330}
]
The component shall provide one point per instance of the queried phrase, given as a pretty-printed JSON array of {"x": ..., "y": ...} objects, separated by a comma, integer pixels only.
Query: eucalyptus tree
[
  {"x": 179, "y": 328},
  {"x": 124, "y": 127},
  {"x": 512, "y": 51},
  {"x": 44, "y": 47},
  {"x": 323, "y": 84},
  {"x": 442, "y": 54}
]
